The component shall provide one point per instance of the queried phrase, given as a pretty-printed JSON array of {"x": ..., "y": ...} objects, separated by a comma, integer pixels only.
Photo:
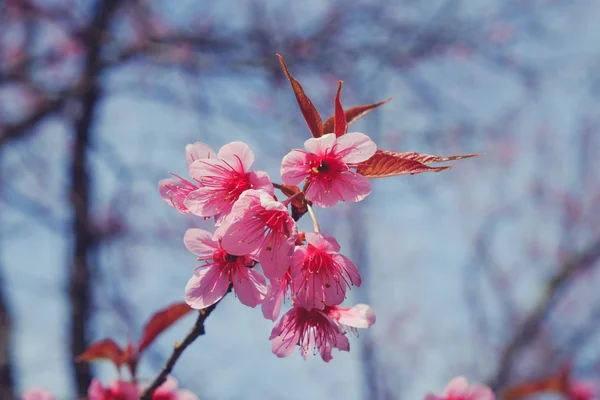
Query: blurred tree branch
[
  {"x": 530, "y": 326},
  {"x": 80, "y": 272}
]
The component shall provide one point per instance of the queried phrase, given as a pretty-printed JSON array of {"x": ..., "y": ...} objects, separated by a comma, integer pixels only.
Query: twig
[
  {"x": 197, "y": 330},
  {"x": 529, "y": 328}
]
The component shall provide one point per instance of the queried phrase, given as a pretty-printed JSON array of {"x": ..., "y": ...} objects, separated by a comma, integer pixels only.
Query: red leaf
[
  {"x": 160, "y": 321},
  {"x": 310, "y": 113},
  {"x": 559, "y": 383},
  {"x": 340, "y": 124},
  {"x": 352, "y": 115},
  {"x": 103, "y": 349},
  {"x": 386, "y": 163}
]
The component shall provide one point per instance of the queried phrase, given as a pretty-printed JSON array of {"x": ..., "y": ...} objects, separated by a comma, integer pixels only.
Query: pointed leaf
[
  {"x": 160, "y": 321},
  {"x": 559, "y": 383},
  {"x": 340, "y": 124},
  {"x": 310, "y": 113},
  {"x": 352, "y": 115},
  {"x": 105, "y": 349},
  {"x": 386, "y": 163}
]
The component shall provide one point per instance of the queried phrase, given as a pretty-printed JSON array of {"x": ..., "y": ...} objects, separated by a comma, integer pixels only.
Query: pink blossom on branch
[
  {"x": 118, "y": 390},
  {"x": 223, "y": 179},
  {"x": 175, "y": 190},
  {"x": 276, "y": 294},
  {"x": 37, "y": 394},
  {"x": 312, "y": 330},
  {"x": 326, "y": 167},
  {"x": 320, "y": 275},
  {"x": 459, "y": 389},
  {"x": 211, "y": 280},
  {"x": 262, "y": 226},
  {"x": 359, "y": 316}
]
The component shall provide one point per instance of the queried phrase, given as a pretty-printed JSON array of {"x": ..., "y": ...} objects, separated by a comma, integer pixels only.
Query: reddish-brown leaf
[
  {"x": 352, "y": 115},
  {"x": 161, "y": 321},
  {"x": 386, "y": 163},
  {"x": 340, "y": 125},
  {"x": 558, "y": 383},
  {"x": 103, "y": 349},
  {"x": 310, "y": 113}
]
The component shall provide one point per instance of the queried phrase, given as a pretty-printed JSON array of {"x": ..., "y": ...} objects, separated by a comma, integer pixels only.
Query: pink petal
[
  {"x": 39, "y": 394},
  {"x": 206, "y": 287},
  {"x": 349, "y": 267},
  {"x": 293, "y": 167},
  {"x": 202, "y": 202},
  {"x": 321, "y": 196},
  {"x": 174, "y": 192},
  {"x": 275, "y": 262},
  {"x": 197, "y": 151},
  {"x": 431, "y": 396},
  {"x": 237, "y": 240},
  {"x": 205, "y": 171},
  {"x": 359, "y": 316},
  {"x": 321, "y": 145},
  {"x": 200, "y": 243},
  {"x": 355, "y": 147},
  {"x": 271, "y": 305},
  {"x": 168, "y": 386},
  {"x": 260, "y": 180},
  {"x": 458, "y": 384},
  {"x": 186, "y": 395},
  {"x": 247, "y": 201},
  {"x": 352, "y": 187},
  {"x": 324, "y": 242},
  {"x": 250, "y": 286},
  {"x": 124, "y": 390},
  {"x": 238, "y": 155},
  {"x": 283, "y": 341}
]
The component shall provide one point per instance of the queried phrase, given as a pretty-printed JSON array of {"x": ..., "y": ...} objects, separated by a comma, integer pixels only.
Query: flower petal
[
  {"x": 271, "y": 305},
  {"x": 206, "y": 287},
  {"x": 320, "y": 146},
  {"x": 250, "y": 286},
  {"x": 200, "y": 243},
  {"x": 259, "y": 180},
  {"x": 294, "y": 168},
  {"x": 324, "y": 242},
  {"x": 359, "y": 316},
  {"x": 238, "y": 155},
  {"x": 351, "y": 187},
  {"x": 355, "y": 147},
  {"x": 349, "y": 268},
  {"x": 197, "y": 151}
]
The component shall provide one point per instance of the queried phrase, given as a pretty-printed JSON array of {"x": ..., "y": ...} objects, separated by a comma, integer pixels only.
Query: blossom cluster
[
  {"x": 255, "y": 229},
  {"x": 256, "y": 239}
]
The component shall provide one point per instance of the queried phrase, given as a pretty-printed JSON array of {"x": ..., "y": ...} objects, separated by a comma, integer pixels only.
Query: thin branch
[
  {"x": 197, "y": 330},
  {"x": 530, "y": 327}
]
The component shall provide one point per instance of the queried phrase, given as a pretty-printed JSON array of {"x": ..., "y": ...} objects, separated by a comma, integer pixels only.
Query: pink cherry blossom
[
  {"x": 223, "y": 179},
  {"x": 326, "y": 167},
  {"x": 168, "y": 391},
  {"x": 211, "y": 280},
  {"x": 118, "y": 390},
  {"x": 312, "y": 330},
  {"x": 38, "y": 394},
  {"x": 263, "y": 227},
  {"x": 175, "y": 190},
  {"x": 359, "y": 316},
  {"x": 276, "y": 293},
  {"x": 320, "y": 275},
  {"x": 582, "y": 391},
  {"x": 459, "y": 389}
]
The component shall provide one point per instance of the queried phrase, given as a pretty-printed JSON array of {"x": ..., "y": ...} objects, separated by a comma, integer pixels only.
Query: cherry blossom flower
[
  {"x": 359, "y": 316},
  {"x": 459, "y": 389},
  {"x": 168, "y": 391},
  {"x": 312, "y": 330},
  {"x": 276, "y": 293},
  {"x": 211, "y": 280},
  {"x": 582, "y": 391},
  {"x": 320, "y": 275},
  {"x": 262, "y": 226},
  {"x": 175, "y": 190},
  {"x": 38, "y": 394},
  {"x": 326, "y": 167},
  {"x": 118, "y": 390},
  {"x": 223, "y": 179}
]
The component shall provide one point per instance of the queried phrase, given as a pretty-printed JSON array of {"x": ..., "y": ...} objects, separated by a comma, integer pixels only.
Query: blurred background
[{"x": 488, "y": 270}]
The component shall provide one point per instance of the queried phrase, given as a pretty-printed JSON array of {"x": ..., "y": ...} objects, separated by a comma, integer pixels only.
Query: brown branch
[
  {"x": 197, "y": 330},
  {"x": 6, "y": 366},
  {"x": 80, "y": 272},
  {"x": 530, "y": 327}
]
